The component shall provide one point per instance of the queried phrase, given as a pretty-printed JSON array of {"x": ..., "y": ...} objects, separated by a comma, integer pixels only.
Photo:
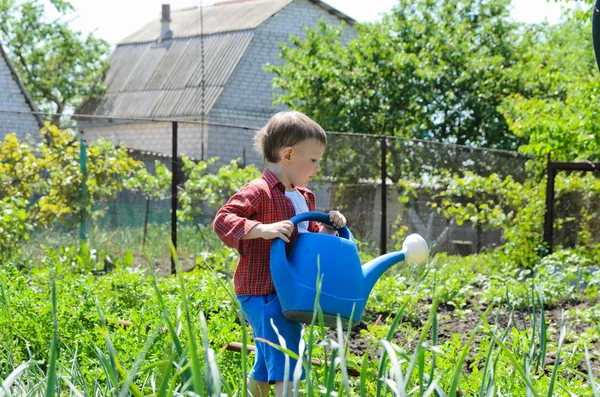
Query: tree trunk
[{"x": 60, "y": 107}]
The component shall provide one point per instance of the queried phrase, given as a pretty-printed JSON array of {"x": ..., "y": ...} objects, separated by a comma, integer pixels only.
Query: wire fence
[
  {"x": 384, "y": 213},
  {"x": 362, "y": 175},
  {"x": 573, "y": 201}
]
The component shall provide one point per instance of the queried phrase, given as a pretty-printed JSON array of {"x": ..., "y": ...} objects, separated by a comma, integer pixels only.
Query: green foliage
[
  {"x": 204, "y": 191},
  {"x": 63, "y": 198},
  {"x": 14, "y": 228},
  {"x": 557, "y": 114},
  {"x": 491, "y": 202},
  {"x": 517, "y": 208},
  {"x": 152, "y": 187},
  {"x": 19, "y": 168},
  {"x": 58, "y": 66},
  {"x": 434, "y": 70},
  {"x": 48, "y": 177},
  {"x": 460, "y": 72},
  {"x": 99, "y": 352}
]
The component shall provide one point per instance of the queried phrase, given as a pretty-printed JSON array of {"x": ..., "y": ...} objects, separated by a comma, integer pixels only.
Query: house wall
[
  {"x": 12, "y": 98},
  {"x": 247, "y": 99},
  {"x": 151, "y": 136},
  {"x": 229, "y": 143}
]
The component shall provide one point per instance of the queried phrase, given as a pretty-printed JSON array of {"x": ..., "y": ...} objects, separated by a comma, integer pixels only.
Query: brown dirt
[
  {"x": 450, "y": 323},
  {"x": 163, "y": 265}
]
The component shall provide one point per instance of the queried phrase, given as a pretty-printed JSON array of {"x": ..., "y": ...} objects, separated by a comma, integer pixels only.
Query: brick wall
[
  {"x": 12, "y": 98},
  {"x": 231, "y": 143},
  {"x": 154, "y": 137}
]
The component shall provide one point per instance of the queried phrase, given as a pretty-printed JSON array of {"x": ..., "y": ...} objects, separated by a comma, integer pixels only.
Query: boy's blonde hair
[{"x": 287, "y": 128}]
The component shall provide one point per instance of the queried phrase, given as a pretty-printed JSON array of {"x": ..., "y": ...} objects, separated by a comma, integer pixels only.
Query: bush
[{"x": 14, "y": 227}]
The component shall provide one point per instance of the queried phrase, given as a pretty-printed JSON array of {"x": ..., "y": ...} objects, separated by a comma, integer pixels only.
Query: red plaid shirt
[{"x": 260, "y": 201}]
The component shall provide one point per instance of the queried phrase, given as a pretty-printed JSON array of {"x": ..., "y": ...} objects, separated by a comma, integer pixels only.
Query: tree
[
  {"x": 431, "y": 69},
  {"x": 558, "y": 113},
  {"x": 43, "y": 184},
  {"x": 58, "y": 66},
  {"x": 20, "y": 168}
]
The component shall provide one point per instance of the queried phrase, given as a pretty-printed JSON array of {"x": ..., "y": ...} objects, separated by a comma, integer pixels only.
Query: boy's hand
[
  {"x": 282, "y": 230},
  {"x": 337, "y": 219}
]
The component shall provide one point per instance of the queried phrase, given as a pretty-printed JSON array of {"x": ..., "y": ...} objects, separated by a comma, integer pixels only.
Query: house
[
  {"x": 14, "y": 97},
  {"x": 201, "y": 65}
]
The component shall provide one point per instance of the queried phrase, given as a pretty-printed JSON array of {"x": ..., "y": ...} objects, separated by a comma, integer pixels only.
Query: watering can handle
[{"x": 344, "y": 232}]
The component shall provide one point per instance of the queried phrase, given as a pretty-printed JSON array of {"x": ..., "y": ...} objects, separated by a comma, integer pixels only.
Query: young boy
[{"x": 292, "y": 146}]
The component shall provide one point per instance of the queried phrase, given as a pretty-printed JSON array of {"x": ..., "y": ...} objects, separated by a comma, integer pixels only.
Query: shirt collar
[
  {"x": 275, "y": 183},
  {"x": 273, "y": 180}
]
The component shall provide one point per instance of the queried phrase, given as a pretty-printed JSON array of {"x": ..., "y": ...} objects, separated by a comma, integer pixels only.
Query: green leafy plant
[
  {"x": 14, "y": 227},
  {"x": 204, "y": 191},
  {"x": 63, "y": 197}
]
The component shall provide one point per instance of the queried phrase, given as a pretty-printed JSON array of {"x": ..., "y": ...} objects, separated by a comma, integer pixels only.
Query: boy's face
[{"x": 303, "y": 161}]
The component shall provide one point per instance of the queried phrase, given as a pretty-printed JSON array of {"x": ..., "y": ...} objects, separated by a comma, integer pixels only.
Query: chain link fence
[
  {"x": 573, "y": 215},
  {"x": 359, "y": 163},
  {"x": 364, "y": 176}
]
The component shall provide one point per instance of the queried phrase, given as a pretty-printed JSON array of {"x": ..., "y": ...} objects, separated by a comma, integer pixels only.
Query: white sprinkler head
[{"x": 415, "y": 248}]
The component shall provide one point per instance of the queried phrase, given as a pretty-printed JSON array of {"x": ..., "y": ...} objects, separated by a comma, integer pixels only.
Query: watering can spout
[
  {"x": 414, "y": 250},
  {"x": 373, "y": 269}
]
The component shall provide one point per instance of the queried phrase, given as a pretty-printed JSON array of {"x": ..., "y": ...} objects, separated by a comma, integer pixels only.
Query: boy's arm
[
  {"x": 232, "y": 222},
  {"x": 282, "y": 230}
]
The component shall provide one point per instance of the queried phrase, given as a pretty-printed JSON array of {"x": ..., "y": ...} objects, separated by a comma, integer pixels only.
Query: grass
[
  {"x": 193, "y": 366},
  {"x": 191, "y": 241},
  {"x": 58, "y": 333}
]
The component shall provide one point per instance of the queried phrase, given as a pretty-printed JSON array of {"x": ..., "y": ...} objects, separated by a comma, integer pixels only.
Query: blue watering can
[{"x": 345, "y": 282}]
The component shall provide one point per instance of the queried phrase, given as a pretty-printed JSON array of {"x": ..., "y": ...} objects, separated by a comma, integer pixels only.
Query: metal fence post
[
  {"x": 174, "y": 195},
  {"x": 549, "y": 219},
  {"x": 383, "y": 233},
  {"x": 82, "y": 167}
]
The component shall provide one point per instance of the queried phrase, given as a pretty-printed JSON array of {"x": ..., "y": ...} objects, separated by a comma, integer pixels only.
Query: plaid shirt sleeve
[{"x": 234, "y": 219}]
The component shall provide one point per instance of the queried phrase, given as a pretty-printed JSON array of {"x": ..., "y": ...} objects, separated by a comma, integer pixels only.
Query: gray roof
[
  {"x": 24, "y": 91},
  {"x": 160, "y": 80},
  {"x": 221, "y": 17},
  {"x": 165, "y": 80}
]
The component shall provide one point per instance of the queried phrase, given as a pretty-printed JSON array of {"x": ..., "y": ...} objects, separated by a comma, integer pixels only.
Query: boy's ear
[{"x": 286, "y": 154}]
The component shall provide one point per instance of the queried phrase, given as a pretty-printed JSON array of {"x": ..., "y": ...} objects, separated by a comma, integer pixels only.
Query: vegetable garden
[{"x": 459, "y": 154}]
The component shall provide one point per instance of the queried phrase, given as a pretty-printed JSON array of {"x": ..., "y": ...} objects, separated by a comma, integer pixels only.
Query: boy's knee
[
  {"x": 258, "y": 388},
  {"x": 279, "y": 389}
]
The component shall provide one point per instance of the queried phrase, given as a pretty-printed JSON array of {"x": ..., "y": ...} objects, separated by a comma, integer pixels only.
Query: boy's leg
[
  {"x": 258, "y": 389},
  {"x": 290, "y": 331},
  {"x": 270, "y": 363},
  {"x": 279, "y": 389}
]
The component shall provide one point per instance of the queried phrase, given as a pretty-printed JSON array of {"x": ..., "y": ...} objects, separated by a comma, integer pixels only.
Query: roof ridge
[
  {"x": 224, "y": 16},
  {"x": 228, "y": 2},
  {"x": 184, "y": 9}
]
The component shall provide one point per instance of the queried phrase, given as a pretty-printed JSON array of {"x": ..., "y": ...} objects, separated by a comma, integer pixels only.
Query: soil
[
  {"x": 450, "y": 323},
  {"x": 163, "y": 266}
]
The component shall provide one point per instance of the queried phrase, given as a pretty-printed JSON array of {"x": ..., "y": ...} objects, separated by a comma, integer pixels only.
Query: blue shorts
[{"x": 270, "y": 363}]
